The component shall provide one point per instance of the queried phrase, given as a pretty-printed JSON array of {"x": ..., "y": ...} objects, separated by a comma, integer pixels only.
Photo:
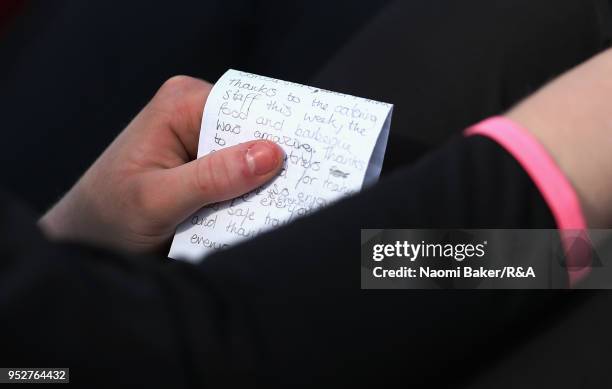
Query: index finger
[{"x": 178, "y": 107}]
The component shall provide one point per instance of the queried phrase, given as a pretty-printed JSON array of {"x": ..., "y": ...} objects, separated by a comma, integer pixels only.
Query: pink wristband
[{"x": 554, "y": 187}]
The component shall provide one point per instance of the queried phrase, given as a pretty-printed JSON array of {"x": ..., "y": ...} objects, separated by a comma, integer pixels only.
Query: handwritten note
[{"x": 334, "y": 144}]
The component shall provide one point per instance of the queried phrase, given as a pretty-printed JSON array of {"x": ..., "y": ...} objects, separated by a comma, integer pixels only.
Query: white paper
[{"x": 334, "y": 144}]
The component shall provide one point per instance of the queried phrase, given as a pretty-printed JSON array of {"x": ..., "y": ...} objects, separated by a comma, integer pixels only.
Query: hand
[{"x": 147, "y": 181}]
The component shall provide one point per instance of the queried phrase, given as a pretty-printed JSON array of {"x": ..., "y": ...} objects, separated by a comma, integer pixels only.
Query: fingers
[
  {"x": 219, "y": 176},
  {"x": 176, "y": 189},
  {"x": 177, "y": 107}
]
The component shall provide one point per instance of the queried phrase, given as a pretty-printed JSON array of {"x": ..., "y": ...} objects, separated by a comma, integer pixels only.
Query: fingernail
[{"x": 262, "y": 158}]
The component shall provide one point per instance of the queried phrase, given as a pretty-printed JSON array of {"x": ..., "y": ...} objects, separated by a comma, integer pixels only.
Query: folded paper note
[{"x": 334, "y": 144}]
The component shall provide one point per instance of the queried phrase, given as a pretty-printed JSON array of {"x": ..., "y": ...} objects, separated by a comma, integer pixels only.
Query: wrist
[
  {"x": 572, "y": 119},
  {"x": 577, "y": 150}
]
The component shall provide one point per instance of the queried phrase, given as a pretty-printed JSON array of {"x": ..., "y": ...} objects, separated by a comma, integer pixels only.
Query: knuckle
[
  {"x": 178, "y": 83},
  {"x": 181, "y": 95},
  {"x": 173, "y": 93},
  {"x": 204, "y": 175},
  {"x": 212, "y": 175},
  {"x": 181, "y": 85}
]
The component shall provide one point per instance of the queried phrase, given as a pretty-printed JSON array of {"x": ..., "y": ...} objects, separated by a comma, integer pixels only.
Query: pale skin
[
  {"x": 572, "y": 118},
  {"x": 148, "y": 180}
]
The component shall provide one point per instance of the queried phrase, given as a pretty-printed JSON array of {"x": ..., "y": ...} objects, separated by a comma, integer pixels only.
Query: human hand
[{"x": 147, "y": 181}]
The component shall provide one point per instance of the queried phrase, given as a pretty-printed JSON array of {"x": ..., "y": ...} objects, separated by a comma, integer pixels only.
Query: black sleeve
[{"x": 283, "y": 308}]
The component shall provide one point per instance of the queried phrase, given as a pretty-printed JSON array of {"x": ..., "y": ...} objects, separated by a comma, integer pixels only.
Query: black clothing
[
  {"x": 74, "y": 73},
  {"x": 287, "y": 304}
]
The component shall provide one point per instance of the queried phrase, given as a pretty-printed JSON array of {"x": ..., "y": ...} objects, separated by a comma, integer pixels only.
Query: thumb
[{"x": 219, "y": 176}]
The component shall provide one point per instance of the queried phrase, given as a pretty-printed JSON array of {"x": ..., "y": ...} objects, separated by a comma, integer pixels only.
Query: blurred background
[{"x": 74, "y": 73}]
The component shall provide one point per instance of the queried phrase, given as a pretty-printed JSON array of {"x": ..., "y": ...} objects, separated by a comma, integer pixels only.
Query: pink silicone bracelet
[{"x": 554, "y": 187}]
